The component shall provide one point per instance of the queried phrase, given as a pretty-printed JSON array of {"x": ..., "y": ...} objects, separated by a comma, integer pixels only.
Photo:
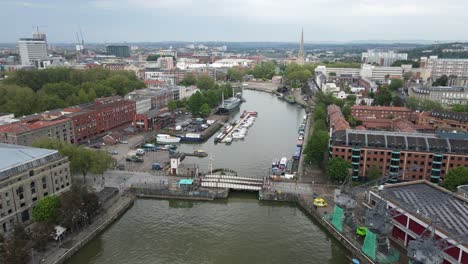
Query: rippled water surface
[{"x": 238, "y": 230}]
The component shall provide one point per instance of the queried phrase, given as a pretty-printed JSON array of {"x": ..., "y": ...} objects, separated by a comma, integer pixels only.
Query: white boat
[
  {"x": 238, "y": 135},
  {"x": 228, "y": 140},
  {"x": 283, "y": 162},
  {"x": 164, "y": 138}
]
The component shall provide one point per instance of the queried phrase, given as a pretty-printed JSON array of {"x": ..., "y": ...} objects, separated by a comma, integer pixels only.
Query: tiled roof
[{"x": 380, "y": 108}]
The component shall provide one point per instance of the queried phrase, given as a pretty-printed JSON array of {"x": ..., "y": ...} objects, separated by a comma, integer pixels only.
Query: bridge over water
[{"x": 232, "y": 182}]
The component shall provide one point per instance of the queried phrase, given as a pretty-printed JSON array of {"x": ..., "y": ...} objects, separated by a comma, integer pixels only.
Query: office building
[
  {"x": 438, "y": 66},
  {"x": 26, "y": 175},
  {"x": 352, "y": 72},
  {"x": 414, "y": 206},
  {"x": 118, "y": 51},
  {"x": 32, "y": 51},
  {"x": 446, "y": 95},
  {"x": 406, "y": 156},
  {"x": 382, "y": 58}
]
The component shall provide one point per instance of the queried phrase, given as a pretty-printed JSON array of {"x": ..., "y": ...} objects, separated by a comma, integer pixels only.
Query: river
[{"x": 240, "y": 229}]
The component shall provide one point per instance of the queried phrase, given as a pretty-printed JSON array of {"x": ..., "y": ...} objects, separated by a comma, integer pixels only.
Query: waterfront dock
[
  {"x": 236, "y": 126},
  {"x": 232, "y": 182}
]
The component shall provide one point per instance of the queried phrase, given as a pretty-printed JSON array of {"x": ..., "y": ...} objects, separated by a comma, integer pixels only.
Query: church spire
[{"x": 300, "y": 56}]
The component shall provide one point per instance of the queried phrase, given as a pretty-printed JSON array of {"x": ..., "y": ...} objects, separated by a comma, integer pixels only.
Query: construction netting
[
  {"x": 392, "y": 256},
  {"x": 337, "y": 220},
  {"x": 369, "y": 247}
]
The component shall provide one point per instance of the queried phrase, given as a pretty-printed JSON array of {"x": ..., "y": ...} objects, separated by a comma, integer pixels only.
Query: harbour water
[{"x": 241, "y": 229}]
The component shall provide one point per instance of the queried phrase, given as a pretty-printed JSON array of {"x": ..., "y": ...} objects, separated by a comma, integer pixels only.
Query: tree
[
  {"x": 204, "y": 82},
  {"x": 172, "y": 105},
  {"x": 235, "y": 74},
  {"x": 320, "y": 112},
  {"x": 395, "y": 84},
  {"x": 188, "y": 80},
  {"x": 397, "y": 101},
  {"x": 455, "y": 177},
  {"x": 373, "y": 173},
  {"x": 46, "y": 209},
  {"x": 460, "y": 108},
  {"x": 264, "y": 70},
  {"x": 338, "y": 169},
  {"x": 316, "y": 148},
  {"x": 441, "y": 81},
  {"x": 346, "y": 111},
  {"x": 17, "y": 246},
  {"x": 41, "y": 233},
  {"x": 205, "y": 109},
  {"x": 383, "y": 96},
  {"x": 408, "y": 75}
]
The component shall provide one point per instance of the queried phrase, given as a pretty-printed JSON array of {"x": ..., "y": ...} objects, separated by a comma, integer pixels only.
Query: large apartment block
[
  {"x": 382, "y": 58},
  {"x": 405, "y": 156},
  {"x": 26, "y": 175},
  {"x": 439, "y": 66}
]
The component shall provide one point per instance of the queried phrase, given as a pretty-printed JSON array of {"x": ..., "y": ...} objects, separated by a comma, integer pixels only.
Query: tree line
[
  {"x": 82, "y": 160},
  {"x": 209, "y": 96},
  {"x": 30, "y": 91}
]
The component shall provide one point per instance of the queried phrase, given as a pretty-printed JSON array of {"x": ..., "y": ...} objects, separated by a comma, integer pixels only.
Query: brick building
[
  {"x": 378, "y": 112},
  {"x": 84, "y": 123},
  {"x": 336, "y": 120},
  {"x": 154, "y": 119},
  {"x": 408, "y": 156},
  {"x": 444, "y": 120},
  {"x": 112, "y": 112},
  {"x": 26, "y": 131}
]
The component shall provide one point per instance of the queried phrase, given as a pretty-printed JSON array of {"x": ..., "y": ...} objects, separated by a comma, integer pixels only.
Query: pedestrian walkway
[{"x": 73, "y": 243}]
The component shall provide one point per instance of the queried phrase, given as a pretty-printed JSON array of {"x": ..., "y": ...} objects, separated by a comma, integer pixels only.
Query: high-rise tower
[{"x": 300, "y": 56}]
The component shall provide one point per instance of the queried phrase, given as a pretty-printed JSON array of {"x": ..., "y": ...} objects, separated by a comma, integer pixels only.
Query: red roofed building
[
  {"x": 336, "y": 119},
  {"x": 25, "y": 133}
]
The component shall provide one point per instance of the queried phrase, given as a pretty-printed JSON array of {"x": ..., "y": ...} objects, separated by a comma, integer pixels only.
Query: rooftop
[
  {"x": 18, "y": 128},
  {"x": 380, "y": 108},
  {"x": 422, "y": 142},
  {"x": 431, "y": 201},
  {"x": 15, "y": 159}
]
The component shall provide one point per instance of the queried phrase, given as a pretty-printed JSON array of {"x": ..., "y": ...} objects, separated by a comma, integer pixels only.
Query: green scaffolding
[
  {"x": 337, "y": 220},
  {"x": 369, "y": 247}
]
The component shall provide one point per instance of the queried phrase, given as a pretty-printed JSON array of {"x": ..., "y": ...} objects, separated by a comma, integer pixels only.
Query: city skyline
[{"x": 258, "y": 20}]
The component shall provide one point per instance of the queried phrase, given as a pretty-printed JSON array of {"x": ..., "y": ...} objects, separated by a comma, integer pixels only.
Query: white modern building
[
  {"x": 353, "y": 72},
  {"x": 378, "y": 73},
  {"x": 382, "y": 58},
  {"x": 229, "y": 63},
  {"x": 32, "y": 51}
]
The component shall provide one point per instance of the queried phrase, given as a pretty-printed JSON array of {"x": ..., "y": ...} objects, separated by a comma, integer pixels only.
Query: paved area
[{"x": 261, "y": 86}]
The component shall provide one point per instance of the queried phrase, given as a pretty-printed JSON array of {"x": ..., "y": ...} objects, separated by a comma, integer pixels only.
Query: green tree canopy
[
  {"x": 235, "y": 74},
  {"x": 316, "y": 148},
  {"x": 189, "y": 80},
  {"x": 264, "y": 70},
  {"x": 204, "y": 82},
  {"x": 205, "y": 109},
  {"x": 172, "y": 105},
  {"x": 395, "y": 84},
  {"x": 441, "y": 81},
  {"x": 46, "y": 209},
  {"x": 338, "y": 169},
  {"x": 455, "y": 177},
  {"x": 383, "y": 96}
]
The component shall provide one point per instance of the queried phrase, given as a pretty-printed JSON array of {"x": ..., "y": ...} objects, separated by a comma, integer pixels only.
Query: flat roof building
[
  {"x": 420, "y": 203},
  {"x": 446, "y": 95},
  {"x": 26, "y": 175}
]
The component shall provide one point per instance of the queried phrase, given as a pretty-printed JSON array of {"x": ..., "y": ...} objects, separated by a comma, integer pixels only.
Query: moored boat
[{"x": 164, "y": 138}]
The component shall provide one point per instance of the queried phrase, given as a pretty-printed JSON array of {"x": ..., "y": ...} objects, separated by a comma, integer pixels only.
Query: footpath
[{"x": 70, "y": 245}]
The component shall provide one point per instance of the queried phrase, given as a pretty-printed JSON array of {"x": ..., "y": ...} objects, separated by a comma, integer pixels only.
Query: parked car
[
  {"x": 114, "y": 152},
  {"x": 156, "y": 166},
  {"x": 124, "y": 142},
  {"x": 121, "y": 167},
  {"x": 320, "y": 202}
]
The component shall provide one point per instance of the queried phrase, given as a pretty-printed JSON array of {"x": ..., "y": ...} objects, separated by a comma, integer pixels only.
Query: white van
[{"x": 140, "y": 152}]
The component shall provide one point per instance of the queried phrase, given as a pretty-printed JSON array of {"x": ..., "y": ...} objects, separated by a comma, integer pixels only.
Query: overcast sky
[{"x": 235, "y": 20}]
